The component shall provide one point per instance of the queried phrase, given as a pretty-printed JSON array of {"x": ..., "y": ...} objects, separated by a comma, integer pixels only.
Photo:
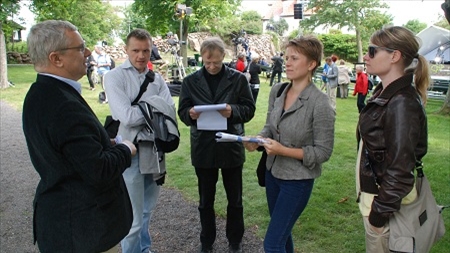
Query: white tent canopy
[{"x": 435, "y": 44}]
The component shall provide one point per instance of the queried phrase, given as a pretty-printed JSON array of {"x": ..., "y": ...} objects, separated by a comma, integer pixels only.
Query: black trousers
[
  {"x": 361, "y": 101},
  {"x": 255, "y": 91},
  {"x": 275, "y": 72},
  {"x": 89, "y": 76},
  {"x": 232, "y": 181}
]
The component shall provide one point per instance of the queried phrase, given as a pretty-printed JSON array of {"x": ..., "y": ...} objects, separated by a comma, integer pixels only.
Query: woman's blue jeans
[{"x": 286, "y": 199}]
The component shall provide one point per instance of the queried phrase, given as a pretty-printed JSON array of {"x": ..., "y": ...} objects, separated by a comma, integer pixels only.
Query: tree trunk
[
  {"x": 3, "y": 66},
  {"x": 445, "y": 110},
  {"x": 359, "y": 45}
]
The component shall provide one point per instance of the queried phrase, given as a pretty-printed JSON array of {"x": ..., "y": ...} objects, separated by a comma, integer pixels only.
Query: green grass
[{"x": 326, "y": 225}]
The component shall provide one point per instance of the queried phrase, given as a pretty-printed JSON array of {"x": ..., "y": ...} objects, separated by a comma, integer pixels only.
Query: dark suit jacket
[
  {"x": 81, "y": 202},
  {"x": 232, "y": 89}
]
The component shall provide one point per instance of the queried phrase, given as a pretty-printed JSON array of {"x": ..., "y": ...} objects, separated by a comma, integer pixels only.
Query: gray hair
[
  {"x": 46, "y": 37},
  {"x": 212, "y": 43}
]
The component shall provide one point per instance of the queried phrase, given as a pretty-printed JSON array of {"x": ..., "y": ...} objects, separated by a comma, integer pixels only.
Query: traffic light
[{"x": 298, "y": 11}]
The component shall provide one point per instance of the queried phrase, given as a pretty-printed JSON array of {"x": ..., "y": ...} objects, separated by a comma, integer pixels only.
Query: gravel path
[{"x": 175, "y": 226}]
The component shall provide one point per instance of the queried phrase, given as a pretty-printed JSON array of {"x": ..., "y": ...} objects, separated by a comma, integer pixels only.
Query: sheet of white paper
[
  {"x": 210, "y": 118},
  {"x": 204, "y": 108}
]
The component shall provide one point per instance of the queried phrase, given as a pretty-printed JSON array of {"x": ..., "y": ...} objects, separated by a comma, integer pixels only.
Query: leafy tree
[
  {"x": 415, "y": 25},
  {"x": 342, "y": 45},
  {"x": 251, "y": 22},
  {"x": 7, "y": 8},
  {"x": 442, "y": 22},
  {"x": 363, "y": 17},
  {"x": 131, "y": 21},
  {"x": 94, "y": 19},
  {"x": 279, "y": 26},
  {"x": 160, "y": 16}
]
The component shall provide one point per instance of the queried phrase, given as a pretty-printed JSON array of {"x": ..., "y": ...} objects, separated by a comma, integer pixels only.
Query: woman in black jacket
[{"x": 254, "y": 69}]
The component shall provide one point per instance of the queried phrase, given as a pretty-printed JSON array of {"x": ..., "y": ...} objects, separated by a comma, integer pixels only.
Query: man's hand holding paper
[
  {"x": 226, "y": 113},
  {"x": 211, "y": 117}
]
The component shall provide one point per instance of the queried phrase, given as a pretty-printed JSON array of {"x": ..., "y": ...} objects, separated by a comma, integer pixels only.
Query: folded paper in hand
[
  {"x": 225, "y": 137},
  {"x": 210, "y": 118}
]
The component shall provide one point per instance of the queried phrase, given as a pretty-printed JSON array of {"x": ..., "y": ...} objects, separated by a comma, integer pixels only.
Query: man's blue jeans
[
  {"x": 286, "y": 200},
  {"x": 143, "y": 193}
]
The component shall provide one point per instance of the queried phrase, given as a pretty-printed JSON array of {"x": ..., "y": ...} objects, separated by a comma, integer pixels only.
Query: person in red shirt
[
  {"x": 150, "y": 65},
  {"x": 361, "y": 87},
  {"x": 240, "y": 64}
]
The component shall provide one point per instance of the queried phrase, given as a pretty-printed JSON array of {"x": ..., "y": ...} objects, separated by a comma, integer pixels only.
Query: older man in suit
[{"x": 81, "y": 202}]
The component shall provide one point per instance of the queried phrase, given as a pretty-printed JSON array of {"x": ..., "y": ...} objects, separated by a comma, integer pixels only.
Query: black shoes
[
  {"x": 206, "y": 249},
  {"x": 235, "y": 248}
]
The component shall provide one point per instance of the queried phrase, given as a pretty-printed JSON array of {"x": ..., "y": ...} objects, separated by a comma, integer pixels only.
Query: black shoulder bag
[
  {"x": 261, "y": 169},
  {"x": 111, "y": 125}
]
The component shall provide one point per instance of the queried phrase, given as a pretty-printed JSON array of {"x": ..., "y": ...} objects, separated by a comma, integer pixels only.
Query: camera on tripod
[
  {"x": 240, "y": 38},
  {"x": 181, "y": 10}
]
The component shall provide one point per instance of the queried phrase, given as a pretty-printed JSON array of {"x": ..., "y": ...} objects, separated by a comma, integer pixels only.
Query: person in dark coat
[
  {"x": 90, "y": 69},
  {"x": 277, "y": 67},
  {"x": 254, "y": 69},
  {"x": 81, "y": 203},
  {"x": 215, "y": 83}
]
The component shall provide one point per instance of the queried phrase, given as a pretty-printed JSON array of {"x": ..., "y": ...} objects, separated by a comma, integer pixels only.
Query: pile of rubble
[
  {"x": 116, "y": 52},
  {"x": 18, "y": 58},
  {"x": 260, "y": 44}
]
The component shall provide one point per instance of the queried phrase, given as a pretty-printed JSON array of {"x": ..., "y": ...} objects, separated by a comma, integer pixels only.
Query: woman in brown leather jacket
[{"x": 392, "y": 131}]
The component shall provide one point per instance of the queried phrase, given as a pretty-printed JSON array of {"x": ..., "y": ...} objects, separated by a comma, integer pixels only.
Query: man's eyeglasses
[
  {"x": 81, "y": 48},
  {"x": 374, "y": 49}
]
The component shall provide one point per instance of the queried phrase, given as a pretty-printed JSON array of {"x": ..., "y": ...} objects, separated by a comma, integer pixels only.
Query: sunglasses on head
[{"x": 374, "y": 49}]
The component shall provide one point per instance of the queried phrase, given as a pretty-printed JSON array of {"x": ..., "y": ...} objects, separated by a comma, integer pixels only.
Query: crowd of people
[{"x": 96, "y": 193}]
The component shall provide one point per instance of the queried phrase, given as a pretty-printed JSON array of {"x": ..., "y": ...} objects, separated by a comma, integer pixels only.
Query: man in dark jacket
[
  {"x": 156, "y": 59},
  {"x": 81, "y": 202},
  {"x": 216, "y": 84},
  {"x": 277, "y": 67},
  {"x": 90, "y": 69}
]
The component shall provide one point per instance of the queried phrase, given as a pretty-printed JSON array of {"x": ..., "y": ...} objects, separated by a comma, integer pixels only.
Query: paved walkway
[
  {"x": 174, "y": 227},
  {"x": 18, "y": 181}
]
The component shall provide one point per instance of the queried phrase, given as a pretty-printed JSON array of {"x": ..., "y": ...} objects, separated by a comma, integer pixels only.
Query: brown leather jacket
[{"x": 393, "y": 126}]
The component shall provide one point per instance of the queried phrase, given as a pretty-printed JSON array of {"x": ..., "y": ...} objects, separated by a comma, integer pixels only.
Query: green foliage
[
  {"x": 160, "y": 15},
  {"x": 132, "y": 21},
  {"x": 415, "y": 25},
  {"x": 342, "y": 45},
  {"x": 280, "y": 26},
  {"x": 20, "y": 47},
  {"x": 327, "y": 224},
  {"x": 275, "y": 40},
  {"x": 251, "y": 22},
  {"x": 95, "y": 20},
  {"x": 8, "y": 9},
  {"x": 363, "y": 17},
  {"x": 443, "y": 23}
]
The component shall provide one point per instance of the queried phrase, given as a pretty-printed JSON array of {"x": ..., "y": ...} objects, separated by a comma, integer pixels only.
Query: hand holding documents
[
  {"x": 224, "y": 137},
  {"x": 210, "y": 118}
]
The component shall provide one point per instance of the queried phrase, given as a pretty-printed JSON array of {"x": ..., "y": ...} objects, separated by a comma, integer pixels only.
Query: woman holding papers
[
  {"x": 228, "y": 91},
  {"x": 299, "y": 135}
]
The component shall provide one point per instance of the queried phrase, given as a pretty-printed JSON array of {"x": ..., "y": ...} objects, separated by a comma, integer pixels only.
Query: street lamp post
[{"x": 129, "y": 25}]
